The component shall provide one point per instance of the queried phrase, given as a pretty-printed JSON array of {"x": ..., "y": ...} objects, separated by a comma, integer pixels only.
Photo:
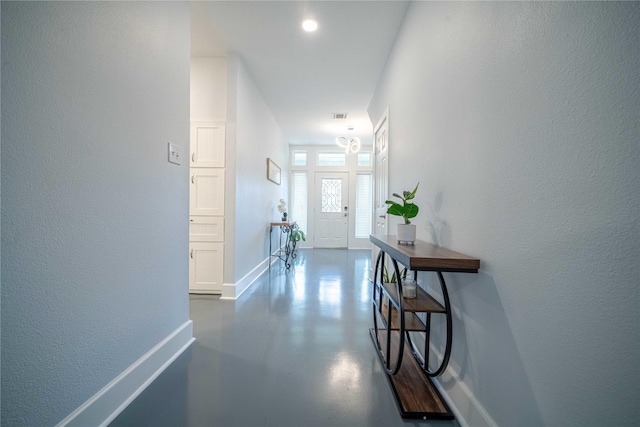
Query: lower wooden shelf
[{"x": 415, "y": 394}]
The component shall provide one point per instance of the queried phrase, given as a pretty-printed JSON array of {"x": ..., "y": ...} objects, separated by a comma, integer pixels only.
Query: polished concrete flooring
[{"x": 293, "y": 350}]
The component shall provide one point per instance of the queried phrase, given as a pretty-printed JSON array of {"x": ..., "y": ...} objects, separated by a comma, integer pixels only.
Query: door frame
[
  {"x": 380, "y": 176},
  {"x": 310, "y": 167},
  {"x": 345, "y": 208}
]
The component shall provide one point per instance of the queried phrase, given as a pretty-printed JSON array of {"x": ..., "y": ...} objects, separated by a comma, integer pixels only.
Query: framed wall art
[{"x": 273, "y": 171}]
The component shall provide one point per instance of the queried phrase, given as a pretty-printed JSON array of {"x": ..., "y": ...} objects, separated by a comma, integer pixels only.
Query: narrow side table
[
  {"x": 288, "y": 251},
  {"x": 395, "y": 318}
]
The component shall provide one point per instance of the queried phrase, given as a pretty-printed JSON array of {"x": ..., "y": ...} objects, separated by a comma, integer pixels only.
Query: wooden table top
[
  {"x": 423, "y": 256},
  {"x": 282, "y": 223}
]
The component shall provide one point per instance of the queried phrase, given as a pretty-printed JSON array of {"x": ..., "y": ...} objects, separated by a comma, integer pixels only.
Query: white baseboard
[
  {"x": 203, "y": 292},
  {"x": 108, "y": 403},
  {"x": 462, "y": 402},
  {"x": 232, "y": 291}
]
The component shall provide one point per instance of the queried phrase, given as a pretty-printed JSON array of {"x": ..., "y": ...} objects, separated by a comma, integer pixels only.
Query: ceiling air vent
[{"x": 340, "y": 115}]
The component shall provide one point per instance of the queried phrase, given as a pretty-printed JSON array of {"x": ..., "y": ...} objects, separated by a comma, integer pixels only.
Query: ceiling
[{"x": 305, "y": 77}]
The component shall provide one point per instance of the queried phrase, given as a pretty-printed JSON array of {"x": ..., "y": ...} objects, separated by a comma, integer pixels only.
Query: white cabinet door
[
  {"x": 207, "y": 144},
  {"x": 206, "y": 229},
  {"x": 206, "y": 261},
  {"x": 206, "y": 192}
]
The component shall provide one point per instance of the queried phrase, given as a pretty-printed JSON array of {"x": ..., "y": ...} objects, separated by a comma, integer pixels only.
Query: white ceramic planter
[{"x": 406, "y": 233}]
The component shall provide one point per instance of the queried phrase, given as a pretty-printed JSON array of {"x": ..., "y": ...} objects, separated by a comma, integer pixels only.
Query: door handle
[
  {"x": 191, "y": 253},
  {"x": 383, "y": 216},
  {"x": 193, "y": 157},
  {"x": 193, "y": 179}
]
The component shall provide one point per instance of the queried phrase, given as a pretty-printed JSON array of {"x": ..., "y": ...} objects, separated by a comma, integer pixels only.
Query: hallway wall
[
  {"x": 94, "y": 218},
  {"x": 520, "y": 121},
  {"x": 252, "y": 136}
]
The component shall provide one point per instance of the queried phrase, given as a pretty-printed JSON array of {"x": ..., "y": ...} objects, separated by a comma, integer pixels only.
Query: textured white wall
[
  {"x": 520, "y": 120},
  {"x": 257, "y": 136},
  {"x": 208, "y": 94},
  {"x": 94, "y": 218}
]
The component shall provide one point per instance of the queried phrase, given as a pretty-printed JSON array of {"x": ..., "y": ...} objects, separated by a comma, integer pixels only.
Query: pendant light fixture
[{"x": 350, "y": 145}]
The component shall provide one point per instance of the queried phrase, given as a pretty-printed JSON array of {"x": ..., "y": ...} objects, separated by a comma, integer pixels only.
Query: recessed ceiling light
[{"x": 310, "y": 25}]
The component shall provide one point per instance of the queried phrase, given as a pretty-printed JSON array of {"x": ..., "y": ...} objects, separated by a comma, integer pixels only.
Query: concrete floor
[{"x": 293, "y": 350}]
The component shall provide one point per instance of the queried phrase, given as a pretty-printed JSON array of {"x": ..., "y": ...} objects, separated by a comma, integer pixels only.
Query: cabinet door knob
[
  {"x": 193, "y": 179},
  {"x": 193, "y": 157},
  {"x": 191, "y": 254}
]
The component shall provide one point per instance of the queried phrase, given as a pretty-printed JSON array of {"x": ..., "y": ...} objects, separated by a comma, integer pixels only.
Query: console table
[
  {"x": 289, "y": 249},
  {"x": 407, "y": 371}
]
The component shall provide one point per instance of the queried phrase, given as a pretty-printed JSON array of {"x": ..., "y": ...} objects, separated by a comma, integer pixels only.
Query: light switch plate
[{"x": 174, "y": 153}]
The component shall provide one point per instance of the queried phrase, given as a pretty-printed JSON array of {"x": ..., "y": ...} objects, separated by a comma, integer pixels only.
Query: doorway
[
  {"x": 381, "y": 177},
  {"x": 381, "y": 173},
  {"x": 331, "y": 207}
]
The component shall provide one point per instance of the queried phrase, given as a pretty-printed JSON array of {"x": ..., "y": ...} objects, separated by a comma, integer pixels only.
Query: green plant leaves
[
  {"x": 405, "y": 210},
  {"x": 297, "y": 235},
  {"x": 411, "y": 195},
  {"x": 392, "y": 279},
  {"x": 411, "y": 210},
  {"x": 396, "y": 209}
]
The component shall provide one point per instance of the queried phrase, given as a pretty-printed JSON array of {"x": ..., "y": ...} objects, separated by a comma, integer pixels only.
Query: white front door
[
  {"x": 381, "y": 172},
  {"x": 331, "y": 210},
  {"x": 381, "y": 179}
]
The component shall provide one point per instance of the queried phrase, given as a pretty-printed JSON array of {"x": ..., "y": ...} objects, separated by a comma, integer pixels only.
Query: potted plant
[
  {"x": 296, "y": 235},
  {"x": 392, "y": 279},
  {"x": 282, "y": 208},
  {"x": 406, "y": 210}
]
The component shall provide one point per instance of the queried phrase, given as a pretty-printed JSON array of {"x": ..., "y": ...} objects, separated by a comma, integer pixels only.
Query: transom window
[
  {"x": 331, "y": 158},
  {"x": 299, "y": 158},
  {"x": 364, "y": 159}
]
